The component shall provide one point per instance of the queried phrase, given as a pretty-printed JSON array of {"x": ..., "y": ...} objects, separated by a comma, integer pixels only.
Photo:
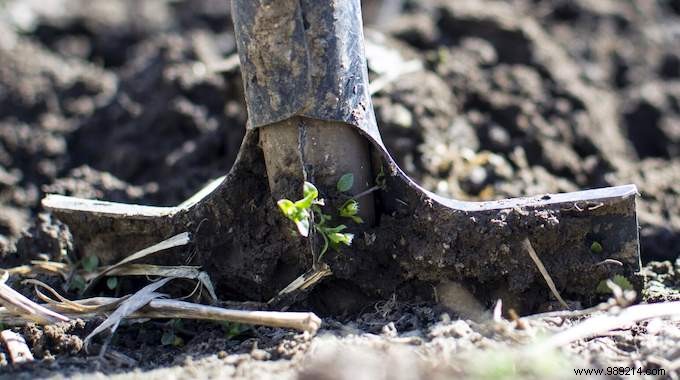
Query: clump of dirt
[
  {"x": 48, "y": 238},
  {"x": 59, "y": 338}
]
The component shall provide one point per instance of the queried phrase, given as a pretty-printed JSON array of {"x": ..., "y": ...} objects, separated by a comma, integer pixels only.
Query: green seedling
[
  {"x": 309, "y": 217},
  {"x": 78, "y": 283},
  {"x": 350, "y": 209},
  {"x": 619, "y": 280}
]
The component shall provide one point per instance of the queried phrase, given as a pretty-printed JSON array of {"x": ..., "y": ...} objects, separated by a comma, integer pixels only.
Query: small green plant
[
  {"x": 621, "y": 281},
  {"x": 89, "y": 265},
  {"x": 308, "y": 216},
  {"x": 350, "y": 209}
]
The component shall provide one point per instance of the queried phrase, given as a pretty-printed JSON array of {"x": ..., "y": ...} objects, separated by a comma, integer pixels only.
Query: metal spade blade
[{"x": 306, "y": 85}]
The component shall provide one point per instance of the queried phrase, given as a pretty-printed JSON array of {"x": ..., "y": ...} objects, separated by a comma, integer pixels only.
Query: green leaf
[
  {"x": 345, "y": 182},
  {"x": 302, "y": 225},
  {"x": 90, "y": 263},
  {"x": 304, "y": 204},
  {"x": 340, "y": 238},
  {"x": 300, "y": 216},
  {"x": 112, "y": 283},
  {"x": 310, "y": 194},
  {"x": 287, "y": 208},
  {"x": 336, "y": 237},
  {"x": 602, "y": 287},
  {"x": 622, "y": 282},
  {"x": 619, "y": 280},
  {"x": 310, "y": 191},
  {"x": 330, "y": 230}
]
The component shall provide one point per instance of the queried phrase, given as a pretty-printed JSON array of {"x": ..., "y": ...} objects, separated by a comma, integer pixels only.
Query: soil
[{"x": 118, "y": 100}]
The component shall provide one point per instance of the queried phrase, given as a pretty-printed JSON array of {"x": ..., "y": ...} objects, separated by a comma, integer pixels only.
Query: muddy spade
[{"x": 311, "y": 119}]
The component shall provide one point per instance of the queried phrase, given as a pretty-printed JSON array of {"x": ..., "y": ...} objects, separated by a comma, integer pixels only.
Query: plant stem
[{"x": 366, "y": 192}]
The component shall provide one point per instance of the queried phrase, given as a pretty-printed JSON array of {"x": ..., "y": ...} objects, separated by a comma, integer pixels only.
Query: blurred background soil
[{"x": 133, "y": 101}]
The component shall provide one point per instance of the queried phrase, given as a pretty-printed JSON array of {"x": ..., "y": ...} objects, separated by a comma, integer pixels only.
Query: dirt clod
[{"x": 60, "y": 338}]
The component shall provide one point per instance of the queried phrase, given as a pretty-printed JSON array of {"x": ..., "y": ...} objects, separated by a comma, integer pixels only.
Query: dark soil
[{"x": 117, "y": 100}]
